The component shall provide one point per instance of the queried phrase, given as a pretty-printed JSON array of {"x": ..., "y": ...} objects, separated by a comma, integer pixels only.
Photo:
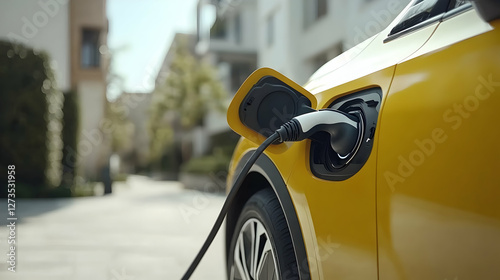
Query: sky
[{"x": 140, "y": 33}]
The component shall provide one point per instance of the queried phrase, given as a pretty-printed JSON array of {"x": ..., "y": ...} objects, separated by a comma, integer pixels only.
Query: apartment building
[
  {"x": 294, "y": 37},
  {"x": 230, "y": 41},
  {"x": 226, "y": 38}
]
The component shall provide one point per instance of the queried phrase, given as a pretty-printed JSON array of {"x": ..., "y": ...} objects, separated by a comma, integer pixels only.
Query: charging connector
[{"x": 343, "y": 129}]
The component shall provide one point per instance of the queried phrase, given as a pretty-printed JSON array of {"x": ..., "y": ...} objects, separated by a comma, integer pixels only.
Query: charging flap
[{"x": 265, "y": 101}]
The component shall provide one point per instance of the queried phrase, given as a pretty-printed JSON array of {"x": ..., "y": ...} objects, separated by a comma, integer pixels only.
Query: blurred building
[
  {"x": 294, "y": 37},
  {"x": 229, "y": 42},
  {"x": 73, "y": 33},
  {"x": 297, "y": 37},
  {"x": 134, "y": 157}
]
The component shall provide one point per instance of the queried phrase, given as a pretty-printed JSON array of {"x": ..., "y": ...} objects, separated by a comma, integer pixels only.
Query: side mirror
[{"x": 265, "y": 101}]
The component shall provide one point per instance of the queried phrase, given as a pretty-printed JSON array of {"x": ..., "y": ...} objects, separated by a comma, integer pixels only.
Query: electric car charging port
[{"x": 328, "y": 164}]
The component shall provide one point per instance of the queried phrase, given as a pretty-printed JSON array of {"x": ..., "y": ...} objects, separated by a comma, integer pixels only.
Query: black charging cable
[
  {"x": 343, "y": 129},
  {"x": 229, "y": 200}
]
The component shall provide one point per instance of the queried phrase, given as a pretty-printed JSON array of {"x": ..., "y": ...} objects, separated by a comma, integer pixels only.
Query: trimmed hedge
[
  {"x": 210, "y": 164},
  {"x": 71, "y": 124},
  {"x": 30, "y": 119},
  {"x": 224, "y": 142},
  {"x": 217, "y": 162}
]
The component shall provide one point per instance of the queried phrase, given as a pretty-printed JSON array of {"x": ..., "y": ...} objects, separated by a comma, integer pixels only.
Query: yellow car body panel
[
  {"x": 438, "y": 194},
  {"x": 367, "y": 228}
]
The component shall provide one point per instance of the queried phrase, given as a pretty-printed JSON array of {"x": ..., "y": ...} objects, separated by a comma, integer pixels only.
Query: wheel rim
[{"x": 254, "y": 258}]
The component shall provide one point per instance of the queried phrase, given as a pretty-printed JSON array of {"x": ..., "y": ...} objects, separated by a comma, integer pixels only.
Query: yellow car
[{"x": 407, "y": 186}]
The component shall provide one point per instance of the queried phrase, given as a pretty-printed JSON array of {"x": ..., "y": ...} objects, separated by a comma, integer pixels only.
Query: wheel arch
[{"x": 264, "y": 174}]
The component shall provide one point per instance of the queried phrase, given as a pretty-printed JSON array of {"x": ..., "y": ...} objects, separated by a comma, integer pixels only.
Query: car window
[{"x": 421, "y": 11}]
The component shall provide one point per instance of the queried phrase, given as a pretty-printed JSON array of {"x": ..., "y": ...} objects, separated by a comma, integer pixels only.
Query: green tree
[
  {"x": 182, "y": 100},
  {"x": 116, "y": 112},
  {"x": 120, "y": 128}
]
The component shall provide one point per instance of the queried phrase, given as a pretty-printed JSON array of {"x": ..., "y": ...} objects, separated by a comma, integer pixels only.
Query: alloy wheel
[{"x": 254, "y": 258}]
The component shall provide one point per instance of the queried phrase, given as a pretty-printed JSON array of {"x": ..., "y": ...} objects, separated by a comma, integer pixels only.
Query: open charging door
[{"x": 266, "y": 100}]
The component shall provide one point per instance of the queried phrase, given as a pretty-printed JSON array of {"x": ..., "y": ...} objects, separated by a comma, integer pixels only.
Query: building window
[
  {"x": 237, "y": 29},
  {"x": 321, "y": 8},
  {"x": 90, "y": 56},
  {"x": 314, "y": 10},
  {"x": 319, "y": 61},
  {"x": 239, "y": 73},
  {"x": 218, "y": 30},
  {"x": 270, "y": 30}
]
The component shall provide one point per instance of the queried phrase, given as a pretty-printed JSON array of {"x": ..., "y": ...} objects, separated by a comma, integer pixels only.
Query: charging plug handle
[{"x": 343, "y": 129}]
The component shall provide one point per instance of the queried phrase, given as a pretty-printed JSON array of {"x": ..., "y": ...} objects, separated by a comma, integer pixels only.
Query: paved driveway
[{"x": 145, "y": 230}]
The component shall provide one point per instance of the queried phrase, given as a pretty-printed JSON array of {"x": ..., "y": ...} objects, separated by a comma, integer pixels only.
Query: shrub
[
  {"x": 120, "y": 177},
  {"x": 211, "y": 164},
  {"x": 30, "y": 118},
  {"x": 70, "y": 138},
  {"x": 224, "y": 142}
]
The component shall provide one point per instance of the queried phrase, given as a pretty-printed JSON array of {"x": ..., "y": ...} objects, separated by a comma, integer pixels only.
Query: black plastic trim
[
  {"x": 266, "y": 168},
  {"x": 436, "y": 13},
  {"x": 440, "y": 18},
  {"x": 414, "y": 28}
]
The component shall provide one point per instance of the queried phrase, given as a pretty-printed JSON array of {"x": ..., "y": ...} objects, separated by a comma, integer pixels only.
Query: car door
[{"x": 438, "y": 195}]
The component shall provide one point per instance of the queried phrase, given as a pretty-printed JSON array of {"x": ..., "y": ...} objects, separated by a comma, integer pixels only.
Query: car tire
[{"x": 261, "y": 246}]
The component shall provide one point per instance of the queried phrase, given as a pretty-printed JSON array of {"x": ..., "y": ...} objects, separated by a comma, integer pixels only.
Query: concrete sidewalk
[{"x": 145, "y": 230}]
